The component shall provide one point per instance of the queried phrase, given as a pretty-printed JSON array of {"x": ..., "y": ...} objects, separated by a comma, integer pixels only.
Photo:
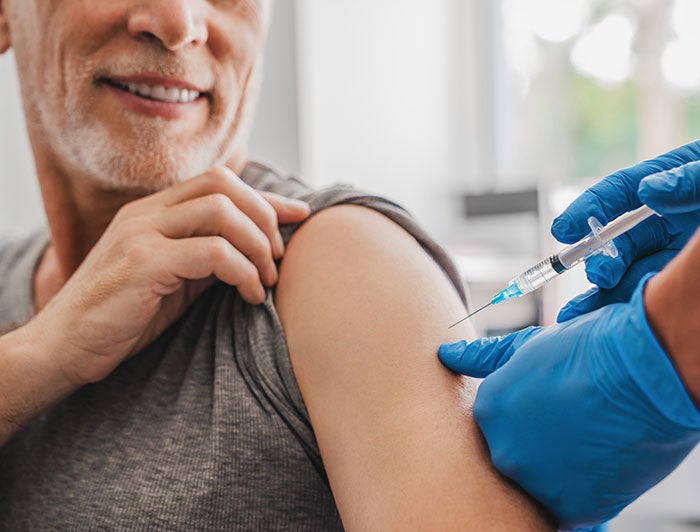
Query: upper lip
[{"x": 155, "y": 81}]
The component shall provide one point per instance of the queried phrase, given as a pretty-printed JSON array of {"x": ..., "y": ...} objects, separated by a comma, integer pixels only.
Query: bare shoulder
[
  {"x": 350, "y": 255},
  {"x": 364, "y": 310}
]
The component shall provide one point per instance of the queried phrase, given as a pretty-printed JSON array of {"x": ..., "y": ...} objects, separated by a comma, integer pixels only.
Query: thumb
[
  {"x": 672, "y": 191},
  {"x": 483, "y": 356}
]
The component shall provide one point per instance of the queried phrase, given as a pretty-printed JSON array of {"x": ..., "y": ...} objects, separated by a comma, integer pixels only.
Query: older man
[{"x": 138, "y": 389}]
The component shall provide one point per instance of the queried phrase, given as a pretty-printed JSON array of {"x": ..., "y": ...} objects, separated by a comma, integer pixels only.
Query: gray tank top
[{"x": 204, "y": 429}]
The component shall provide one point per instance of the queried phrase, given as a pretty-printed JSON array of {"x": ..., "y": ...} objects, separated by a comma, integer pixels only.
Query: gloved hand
[
  {"x": 669, "y": 184},
  {"x": 585, "y": 415}
]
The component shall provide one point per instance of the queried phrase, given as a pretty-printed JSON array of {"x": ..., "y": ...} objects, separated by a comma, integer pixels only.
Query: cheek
[
  {"x": 80, "y": 42},
  {"x": 53, "y": 50},
  {"x": 237, "y": 35},
  {"x": 236, "y": 44}
]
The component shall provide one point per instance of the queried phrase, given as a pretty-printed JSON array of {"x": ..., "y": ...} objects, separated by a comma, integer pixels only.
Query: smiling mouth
[{"x": 157, "y": 93}]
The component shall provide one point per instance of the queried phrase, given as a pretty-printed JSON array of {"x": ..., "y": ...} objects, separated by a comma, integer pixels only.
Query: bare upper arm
[{"x": 364, "y": 309}]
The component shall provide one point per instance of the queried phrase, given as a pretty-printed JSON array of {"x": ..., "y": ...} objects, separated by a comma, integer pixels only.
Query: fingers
[
  {"x": 483, "y": 356},
  {"x": 596, "y": 297},
  {"x": 674, "y": 191},
  {"x": 201, "y": 257},
  {"x": 646, "y": 238},
  {"x": 616, "y": 194},
  {"x": 289, "y": 210},
  {"x": 248, "y": 200},
  {"x": 216, "y": 215},
  {"x": 219, "y": 205},
  {"x": 588, "y": 301},
  {"x": 605, "y": 200}
]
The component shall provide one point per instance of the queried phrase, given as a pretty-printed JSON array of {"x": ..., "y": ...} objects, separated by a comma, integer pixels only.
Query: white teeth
[
  {"x": 172, "y": 94},
  {"x": 163, "y": 94},
  {"x": 159, "y": 93}
]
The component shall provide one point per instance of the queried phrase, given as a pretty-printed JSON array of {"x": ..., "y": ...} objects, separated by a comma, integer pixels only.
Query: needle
[{"x": 470, "y": 315}]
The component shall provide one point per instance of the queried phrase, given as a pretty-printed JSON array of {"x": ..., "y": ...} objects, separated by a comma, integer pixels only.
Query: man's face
[{"x": 136, "y": 93}]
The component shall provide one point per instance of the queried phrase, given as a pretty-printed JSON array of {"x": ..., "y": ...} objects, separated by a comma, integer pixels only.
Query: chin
[
  {"x": 147, "y": 167},
  {"x": 151, "y": 175}
]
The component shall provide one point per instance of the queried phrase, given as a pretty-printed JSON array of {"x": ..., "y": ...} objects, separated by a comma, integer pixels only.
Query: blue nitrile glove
[
  {"x": 585, "y": 415},
  {"x": 669, "y": 184}
]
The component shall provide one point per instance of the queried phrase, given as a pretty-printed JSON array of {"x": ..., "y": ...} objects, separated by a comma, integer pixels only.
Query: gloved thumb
[
  {"x": 483, "y": 356},
  {"x": 673, "y": 191}
]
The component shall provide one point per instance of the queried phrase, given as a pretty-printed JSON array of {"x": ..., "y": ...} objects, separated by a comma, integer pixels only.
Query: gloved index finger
[
  {"x": 616, "y": 194},
  {"x": 648, "y": 237},
  {"x": 483, "y": 356},
  {"x": 605, "y": 200}
]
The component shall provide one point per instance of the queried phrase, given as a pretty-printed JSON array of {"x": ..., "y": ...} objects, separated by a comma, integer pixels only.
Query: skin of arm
[
  {"x": 671, "y": 301},
  {"x": 31, "y": 380},
  {"x": 364, "y": 309}
]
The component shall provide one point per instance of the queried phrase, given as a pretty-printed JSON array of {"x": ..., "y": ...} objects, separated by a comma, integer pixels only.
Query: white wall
[
  {"x": 276, "y": 131},
  {"x": 380, "y": 84},
  {"x": 20, "y": 203}
]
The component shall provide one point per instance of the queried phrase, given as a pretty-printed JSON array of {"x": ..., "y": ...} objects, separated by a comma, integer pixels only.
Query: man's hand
[
  {"x": 156, "y": 256},
  {"x": 669, "y": 184},
  {"x": 585, "y": 415}
]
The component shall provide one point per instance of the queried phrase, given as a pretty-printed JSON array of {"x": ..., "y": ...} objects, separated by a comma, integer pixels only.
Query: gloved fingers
[
  {"x": 597, "y": 297},
  {"x": 616, "y": 194},
  {"x": 605, "y": 200},
  {"x": 483, "y": 356},
  {"x": 646, "y": 238},
  {"x": 673, "y": 191},
  {"x": 604, "y": 271},
  {"x": 592, "y": 299}
]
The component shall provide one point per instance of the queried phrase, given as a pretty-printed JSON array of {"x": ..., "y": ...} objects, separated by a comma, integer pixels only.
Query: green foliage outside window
[{"x": 605, "y": 126}]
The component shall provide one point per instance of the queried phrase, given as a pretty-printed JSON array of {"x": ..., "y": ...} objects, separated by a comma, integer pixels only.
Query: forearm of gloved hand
[
  {"x": 588, "y": 414},
  {"x": 672, "y": 301}
]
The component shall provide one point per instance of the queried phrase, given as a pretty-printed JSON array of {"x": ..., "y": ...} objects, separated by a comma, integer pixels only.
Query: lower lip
[{"x": 144, "y": 106}]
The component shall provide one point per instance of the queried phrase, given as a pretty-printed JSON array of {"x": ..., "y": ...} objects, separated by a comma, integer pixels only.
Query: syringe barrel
[
  {"x": 571, "y": 255},
  {"x": 538, "y": 275},
  {"x": 625, "y": 222}
]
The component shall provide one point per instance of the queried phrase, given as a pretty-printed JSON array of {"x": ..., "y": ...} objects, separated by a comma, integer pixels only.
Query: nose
[{"x": 176, "y": 24}]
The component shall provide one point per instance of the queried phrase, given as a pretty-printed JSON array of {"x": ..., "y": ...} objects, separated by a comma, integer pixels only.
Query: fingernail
[
  {"x": 262, "y": 294},
  {"x": 298, "y": 204},
  {"x": 278, "y": 244},
  {"x": 271, "y": 275}
]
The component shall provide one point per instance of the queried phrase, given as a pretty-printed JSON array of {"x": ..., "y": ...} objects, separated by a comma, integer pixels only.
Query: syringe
[{"x": 600, "y": 240}]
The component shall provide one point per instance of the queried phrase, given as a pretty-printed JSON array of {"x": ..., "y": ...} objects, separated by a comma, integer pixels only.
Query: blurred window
[{"x": 589, "y": 86}]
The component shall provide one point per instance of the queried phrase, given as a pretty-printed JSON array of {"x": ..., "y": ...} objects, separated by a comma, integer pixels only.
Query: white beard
[
  {"x": 159, "y": 155},
  {"x": 147, "y": 162}
]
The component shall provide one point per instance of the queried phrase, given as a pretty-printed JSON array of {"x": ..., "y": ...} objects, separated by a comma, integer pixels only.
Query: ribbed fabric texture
[{"x": 205, "y": 429}]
